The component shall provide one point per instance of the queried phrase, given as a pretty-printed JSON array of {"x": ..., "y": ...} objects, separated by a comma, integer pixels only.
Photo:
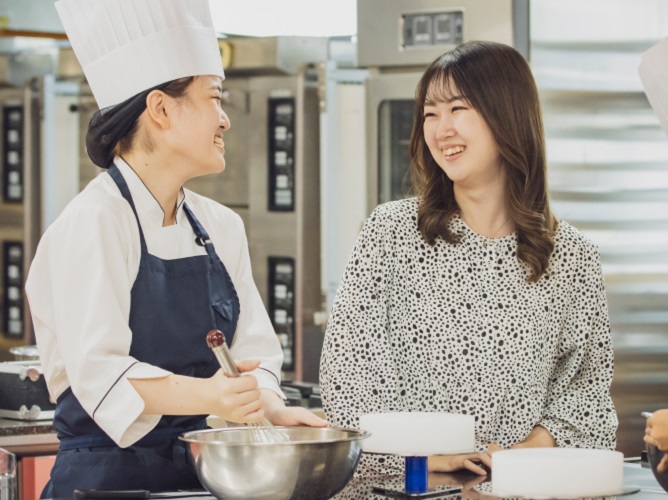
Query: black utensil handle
[{"x": 86, "y": 494}]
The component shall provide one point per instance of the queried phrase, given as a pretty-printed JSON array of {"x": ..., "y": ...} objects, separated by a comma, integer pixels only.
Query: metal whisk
[{"x": 262, "y": 431}]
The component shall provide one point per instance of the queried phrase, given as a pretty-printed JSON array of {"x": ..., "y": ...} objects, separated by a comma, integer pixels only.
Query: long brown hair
[{"x": 497, "y": 82}]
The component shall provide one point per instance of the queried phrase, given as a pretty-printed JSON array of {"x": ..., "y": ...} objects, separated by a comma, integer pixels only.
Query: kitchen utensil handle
[
  {"x": 216, "y": 343},
  {"x": 91, "y": 494}
]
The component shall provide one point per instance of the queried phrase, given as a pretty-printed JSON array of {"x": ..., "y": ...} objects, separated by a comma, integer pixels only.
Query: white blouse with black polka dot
[{"x": 458, "y": 328}]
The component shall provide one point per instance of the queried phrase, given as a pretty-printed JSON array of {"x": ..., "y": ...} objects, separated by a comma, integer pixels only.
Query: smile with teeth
[
  {"x": 218, "y": 141},
  {"x": 453, "y": 150}
]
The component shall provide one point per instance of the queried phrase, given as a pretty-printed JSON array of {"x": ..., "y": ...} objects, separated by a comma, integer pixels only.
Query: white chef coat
[{"x": 79, "y": 288}]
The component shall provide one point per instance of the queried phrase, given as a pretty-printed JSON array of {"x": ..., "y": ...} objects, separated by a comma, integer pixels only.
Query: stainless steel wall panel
[{"x": 608, "y": 176}]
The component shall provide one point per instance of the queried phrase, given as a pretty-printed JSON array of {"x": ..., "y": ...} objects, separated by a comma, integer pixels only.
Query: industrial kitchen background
[{"x": 320, "y": 136}]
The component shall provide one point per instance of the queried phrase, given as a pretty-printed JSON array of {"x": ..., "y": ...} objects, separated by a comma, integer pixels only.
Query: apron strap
[
  {"x": 125, "y": 191},
  {"x": 202, "y": 239},
  {"x": 201, "y": 236}
]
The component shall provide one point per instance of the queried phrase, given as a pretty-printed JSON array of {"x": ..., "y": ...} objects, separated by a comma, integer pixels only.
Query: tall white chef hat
[
  {"x": 128, "y": 46},
  {"x": 654, "y": 76}
]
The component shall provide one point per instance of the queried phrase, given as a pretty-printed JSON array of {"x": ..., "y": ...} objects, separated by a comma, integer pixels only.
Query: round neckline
[{"x": 458, "y": 223}]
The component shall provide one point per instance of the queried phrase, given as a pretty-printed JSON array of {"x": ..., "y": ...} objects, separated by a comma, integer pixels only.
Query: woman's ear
[{"x": 157, "y": 104}]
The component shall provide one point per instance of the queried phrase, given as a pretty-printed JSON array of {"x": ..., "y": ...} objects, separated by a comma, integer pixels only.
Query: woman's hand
[
  {"x": 466, "y": 482},
  {"x": 538, "y": 438},
  {"x": 234, "y": 399},
  {"x": 663, "y": 464},
  {"x": 492, "y": 447},
  {"x": 237, "y": 399},
  {"x": 296, "y": 415},
  {"x": 466, "y": 461},
  {"x": 279, "y": 414},
  {"x": 656, "y": 434}
]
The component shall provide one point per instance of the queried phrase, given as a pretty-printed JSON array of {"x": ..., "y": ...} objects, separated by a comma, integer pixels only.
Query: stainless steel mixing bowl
[{"x": 305, "y": 463}]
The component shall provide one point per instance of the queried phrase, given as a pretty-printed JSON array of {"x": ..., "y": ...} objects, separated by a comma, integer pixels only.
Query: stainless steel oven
[
  {"x": 272, "y": 180},
  {"x": 41, "y": 127},
  {"x": 28, "y": 167},
  {"x": 17, "y": 209}
]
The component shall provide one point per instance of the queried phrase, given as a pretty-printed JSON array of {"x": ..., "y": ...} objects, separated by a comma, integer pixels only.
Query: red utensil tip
[{"x": 215, "y": 339}]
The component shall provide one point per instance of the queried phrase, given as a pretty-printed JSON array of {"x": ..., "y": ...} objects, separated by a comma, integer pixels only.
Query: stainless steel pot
[
  {"x": 25, "y": 353},
  {"x": 310, "y": 463}
]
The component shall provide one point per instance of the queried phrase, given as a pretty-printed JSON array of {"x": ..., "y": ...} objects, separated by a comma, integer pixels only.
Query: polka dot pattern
[{"x": 457, "y": 328}]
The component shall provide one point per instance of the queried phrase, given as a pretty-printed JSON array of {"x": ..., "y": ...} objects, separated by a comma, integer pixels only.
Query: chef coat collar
[{"x": 149, "y": 210}]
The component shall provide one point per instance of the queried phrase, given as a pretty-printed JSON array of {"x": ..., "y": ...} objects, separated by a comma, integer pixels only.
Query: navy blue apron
[{"x": 174, "y": 304}]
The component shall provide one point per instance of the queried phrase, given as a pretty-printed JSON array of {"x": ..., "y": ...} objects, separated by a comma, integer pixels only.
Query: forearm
[
  {"x": 236, "y": 399},
  {"x": 174, "y": 395},
  {"x": 539, "y": 437},
  {"x": 271, "y": 402}
]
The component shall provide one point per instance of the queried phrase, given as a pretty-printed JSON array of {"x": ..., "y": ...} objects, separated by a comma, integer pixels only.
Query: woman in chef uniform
[
  {"x": 128, "y": 281},
  {"x": 472, "y": 297}
]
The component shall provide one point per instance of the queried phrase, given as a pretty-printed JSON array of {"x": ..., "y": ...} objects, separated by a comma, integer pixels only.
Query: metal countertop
[{"x": 357, "y": 489}]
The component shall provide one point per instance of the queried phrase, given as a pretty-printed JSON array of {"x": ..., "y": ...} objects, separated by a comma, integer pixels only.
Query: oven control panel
[
  {"x": 281, "y": 154},
  {"x": 282, "y": 305},
  {"x": 12, "y": 132},
  {"x": 13, "y": 285},
  {"x": 432, "y": 29}
]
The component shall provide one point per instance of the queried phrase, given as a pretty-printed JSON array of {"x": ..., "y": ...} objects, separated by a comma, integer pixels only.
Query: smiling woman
[
  {"x": 450, "y": 126},
  {"x": 128, "y": 281},
  {"x": 180, "y": 128},
  {"x": 195, "y": 133},
  {"x": 499, "y": 112},
  {"x": 471, "y": 297}
]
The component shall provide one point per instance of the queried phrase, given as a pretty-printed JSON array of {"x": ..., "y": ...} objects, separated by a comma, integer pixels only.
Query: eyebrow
[
  {"x": 429, "y": 102},
  {"x": 217, "y": 88}
]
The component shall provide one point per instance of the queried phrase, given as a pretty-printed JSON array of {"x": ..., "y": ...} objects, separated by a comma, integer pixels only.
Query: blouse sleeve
[
  {"x": 358, "y": 333},
  {"x": 255, "y": 337},
  {"x": 579, "y": 411},
  {"x": 79, "y": 293}
]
